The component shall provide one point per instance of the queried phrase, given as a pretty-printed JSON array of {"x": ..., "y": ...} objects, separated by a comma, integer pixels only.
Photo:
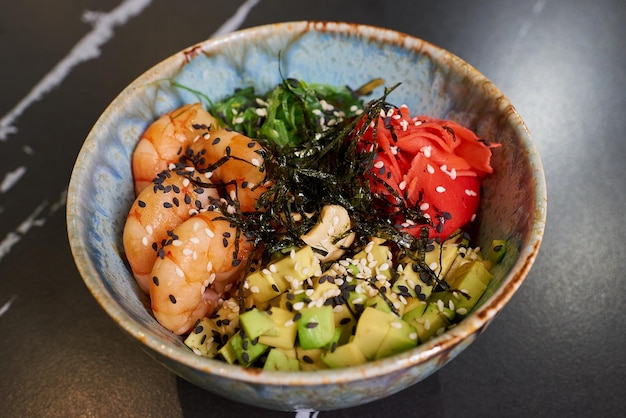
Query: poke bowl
[{"x": 429, "y": 81}]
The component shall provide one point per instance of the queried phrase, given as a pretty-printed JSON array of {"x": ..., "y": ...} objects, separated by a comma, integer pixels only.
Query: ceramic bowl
[{"x": 434, "y": 82}]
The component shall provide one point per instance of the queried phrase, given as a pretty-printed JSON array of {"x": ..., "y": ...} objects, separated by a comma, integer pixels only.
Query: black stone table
[{"x": 558, "y": 348}]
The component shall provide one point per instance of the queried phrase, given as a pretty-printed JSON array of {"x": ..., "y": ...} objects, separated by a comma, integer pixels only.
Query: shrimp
[
  {"x": 157, "y": 210},
  {"x": 234, "y": 160},
  {"x": 196, "y": 268},
  {"x": 164, "y": 140}
]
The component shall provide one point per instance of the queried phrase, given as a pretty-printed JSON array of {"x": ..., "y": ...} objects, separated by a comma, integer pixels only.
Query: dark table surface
[{"x": 557, "y": 349}]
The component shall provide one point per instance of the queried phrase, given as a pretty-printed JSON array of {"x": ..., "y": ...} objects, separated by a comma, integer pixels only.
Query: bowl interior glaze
[{"x": 433, "y": 82}]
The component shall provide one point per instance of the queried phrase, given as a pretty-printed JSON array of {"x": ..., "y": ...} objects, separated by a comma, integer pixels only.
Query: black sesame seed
[
  {"x": 225, "y": 242},
  {"x": 176, "y": 202},
  {"x": 236, "y": 262},
  {"x": 497, "y": 247},
  {"x": 155, "y": 280},
  {"x": 167, "y": 189},
  {"x": 161, "y": 253},
  {"x": 344, "y": 321},
  {"x": 216, "y": 141},
  {"x": 198, "y": 329},
  {"x": 275, "y": 288},
  {"x": 203, "y": 339},
  {"x": 226, "y": 234},
  {"x": 141, "y": 203},
  {"x": 297, "y": 316},
  {"x": 245, "y": 357},
  {"x": 155, "y": 247},
  {"x": 307, "y": 359},
  {"x": 251, "y": 144},
  {"x": 187, "y": 199},
  {"x": 167, "y": 205},
  {"x": 227, "y": 151},
  {"x": 172, "y": 299},
  {"x": 311, "y": 324}
]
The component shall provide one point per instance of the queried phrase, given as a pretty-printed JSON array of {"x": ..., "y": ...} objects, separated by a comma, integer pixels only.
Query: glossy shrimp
[
  {"x": 235, "y": 161},
  {"x": 204, "y": 259},
  {"x": 165, "y": 139},
  {"x": 173, "y": 198}
]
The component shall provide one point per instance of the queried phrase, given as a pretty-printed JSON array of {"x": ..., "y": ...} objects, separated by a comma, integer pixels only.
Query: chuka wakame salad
[{"x": 354, "y": 246}]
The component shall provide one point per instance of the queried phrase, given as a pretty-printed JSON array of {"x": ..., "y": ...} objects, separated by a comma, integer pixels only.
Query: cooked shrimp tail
[
  {"x": 202, "y": 262},
  {"x": 173, "y": 198},
  {"x": 165, "y": 139}
]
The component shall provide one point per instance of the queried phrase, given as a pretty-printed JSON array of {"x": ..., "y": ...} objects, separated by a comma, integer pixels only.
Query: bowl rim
[{"x": 472, "y": 324}]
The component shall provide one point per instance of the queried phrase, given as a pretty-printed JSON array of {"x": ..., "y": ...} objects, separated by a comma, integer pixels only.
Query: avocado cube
[
  {"x": 496, "y": 251},
  {"x": 400, "y": 337},
  {"x": 467, "y": 285},
  {"x": 311, "y": 359},
  {"x": 371, "y": 330},
  {"x": 277, "y": 360},
  {"x": 287, "y": 329},
  {"x": 344, "y": 356},
  {"x": 442, "y": 255},
  {"x": 316, "y": 327},
  {"x": 414, "y": 309},
  {"x": 201, "y": 338},
  {"x": 256, "y": 323},
  {"x": 246, "y": 350},
  {"x": 228, "y": 353},
  {"x": 345, "y": 322},
  {"x": 266, "y": 284},
  {"x": 435, "y": 319}
]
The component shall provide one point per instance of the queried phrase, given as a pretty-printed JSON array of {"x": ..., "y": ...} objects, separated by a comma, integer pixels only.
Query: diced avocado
[
  {"x": 287, "y": 329},
  {"x": 316, "y": 327},
  {"x": 246, "y": 350},
  {"x": 256, "y": 323},
  {"x": 442, "y": 256},
  {"x": 371, "y": 330},
  {"x": 201, "y": 338},
  {"x": 435, "y": 319},
  {"x": 344, "y": 356},
  {"x": 467, "y": 285},
  {"x": 324, "y": 287},
  {"x": 228, "y": 353},
  {"x": 378, "y": 302},
  {"x": 310, "y": 359},
  {"x": 400, "y": 337},
  {"x": 414, "y": 282},
  {"x": 345, "y": 322},
  {"x": 496, "y": 251},
  {"x": 276, "y": 278},
  {"x": 414, "y": 309},
  {"x": 278, "y": 360}
]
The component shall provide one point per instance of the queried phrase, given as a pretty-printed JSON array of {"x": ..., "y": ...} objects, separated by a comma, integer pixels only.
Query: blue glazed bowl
[{"x": 434, "y": 82}]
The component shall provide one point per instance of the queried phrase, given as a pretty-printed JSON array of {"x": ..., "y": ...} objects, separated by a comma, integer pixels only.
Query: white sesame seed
[
  {"x": 396, "y": 325},
  {"x": 145, "y": 241},
  {"x": 426, "y": 150},
  {"x": 470, "y": 192},
  {"x": 402, "y": 185},
  {"x": 379, "y": 164},
  {"x": 424, "y": 206},
  {"x": 254, "y": 289},
  {"x": 273, "y": 268},
  {"x": 430, "y": 169},
  {"x": 187, "y": 251},
  {"x": 149, "y": 229},
  {"x": 298, "y": 305},
  {"x": 179, "y": 272},
  {"x": 440, "y": 189},
  {"x": 209, "y": 266},
  {"x": 255, "y": 162},
  {"x": 413, "y": 336},
  {"x": 177, "y": 243},
  {"x": 440, "y": 305},
  {"x": 461, "y": 311},
  {"x": 426, "y": 324}
]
